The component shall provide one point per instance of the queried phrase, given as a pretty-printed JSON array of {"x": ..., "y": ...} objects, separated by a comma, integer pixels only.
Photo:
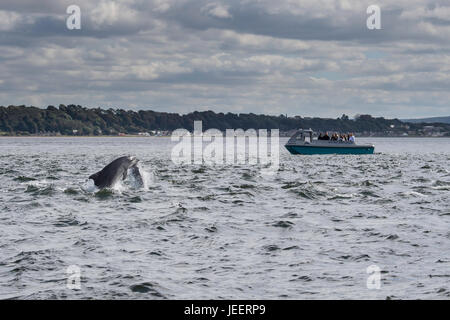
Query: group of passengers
[{"x": 337, "y": 137}]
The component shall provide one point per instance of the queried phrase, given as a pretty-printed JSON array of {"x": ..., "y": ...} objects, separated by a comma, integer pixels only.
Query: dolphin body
[{"x": 109, "y": 175}]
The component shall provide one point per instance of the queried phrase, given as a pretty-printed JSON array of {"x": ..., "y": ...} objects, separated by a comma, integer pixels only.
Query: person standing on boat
[{"x": 351, "y": 138}]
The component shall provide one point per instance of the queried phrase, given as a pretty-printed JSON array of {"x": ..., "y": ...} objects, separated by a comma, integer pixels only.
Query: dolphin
[{"x": 109, "y": 175}]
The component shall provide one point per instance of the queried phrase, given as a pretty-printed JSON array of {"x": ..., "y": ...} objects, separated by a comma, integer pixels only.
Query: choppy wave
[{"x": 308, "y": 231}]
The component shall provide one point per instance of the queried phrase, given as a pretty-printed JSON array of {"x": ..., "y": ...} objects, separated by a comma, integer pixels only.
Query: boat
[{"x": 302, "y": 142}]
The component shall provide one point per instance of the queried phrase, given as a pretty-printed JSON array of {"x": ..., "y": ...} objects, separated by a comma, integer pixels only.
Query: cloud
[
  {"x": 8, "y": 20},
  {"x": 217, "y": 10},
  {"x": 309, "y": 57}
]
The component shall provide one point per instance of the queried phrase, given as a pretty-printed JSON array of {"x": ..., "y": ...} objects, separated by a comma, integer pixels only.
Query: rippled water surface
[{"x": 309, "y": 231}]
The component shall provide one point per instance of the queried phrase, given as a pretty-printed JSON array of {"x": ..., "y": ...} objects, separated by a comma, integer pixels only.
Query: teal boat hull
[{"x": 329, "y": 150}]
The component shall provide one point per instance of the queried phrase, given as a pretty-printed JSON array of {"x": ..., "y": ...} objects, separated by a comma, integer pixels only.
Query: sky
[{"x": 306, "y": 58}]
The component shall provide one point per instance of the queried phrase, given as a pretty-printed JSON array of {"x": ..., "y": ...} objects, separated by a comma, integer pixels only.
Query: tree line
[{"x": 75, "y": 119}]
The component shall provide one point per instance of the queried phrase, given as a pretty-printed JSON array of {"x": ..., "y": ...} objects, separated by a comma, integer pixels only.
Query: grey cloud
[
  {"x": 251, "y": 56},
  {"x": 338, "y": 25}
]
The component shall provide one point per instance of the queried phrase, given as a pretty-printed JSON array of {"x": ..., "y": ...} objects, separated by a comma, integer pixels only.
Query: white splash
[
  {"x": 146, "y": 175},
  {"x": 89, "y": 186}
]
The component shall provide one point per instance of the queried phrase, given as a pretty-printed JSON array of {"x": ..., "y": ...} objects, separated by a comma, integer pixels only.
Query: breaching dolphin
[{"x": 109, "y": 175}]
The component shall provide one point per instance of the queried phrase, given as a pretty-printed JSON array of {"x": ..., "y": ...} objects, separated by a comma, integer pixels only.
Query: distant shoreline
[
  {"x": 75, "y": 120},
  {"x": 146, "y": 137},
  {"x": 67, "y": 136}
]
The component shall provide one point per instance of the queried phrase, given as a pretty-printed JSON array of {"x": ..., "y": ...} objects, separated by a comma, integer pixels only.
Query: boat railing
[{"x": 336, "y": 141}]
